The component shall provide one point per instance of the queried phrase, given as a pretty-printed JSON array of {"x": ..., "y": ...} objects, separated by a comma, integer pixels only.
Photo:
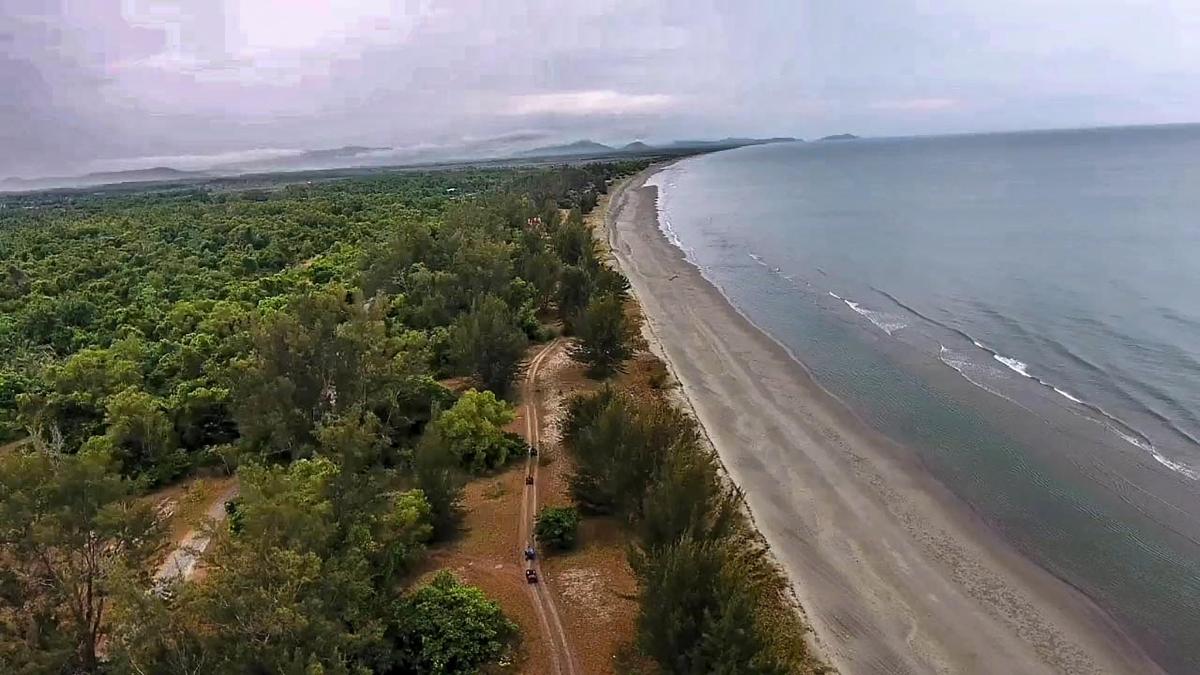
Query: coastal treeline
[
  {"x": 711, "y": 598},
  {"x": 296, "y": 337}
]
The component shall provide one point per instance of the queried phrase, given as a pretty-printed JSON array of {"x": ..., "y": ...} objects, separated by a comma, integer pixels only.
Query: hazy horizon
[{"x": 191, "y": 84}]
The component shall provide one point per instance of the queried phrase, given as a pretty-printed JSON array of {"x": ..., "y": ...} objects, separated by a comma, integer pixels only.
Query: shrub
[
  {"x": 557, "y": 527},
  {"x": 474, "y": 429},
  {"x": 448, "y": 627}
]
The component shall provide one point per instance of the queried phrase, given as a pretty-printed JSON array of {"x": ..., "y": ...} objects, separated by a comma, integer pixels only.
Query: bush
[
  {"x": 474, "y": 429},
  {"x": 448, "y": 627},
  {"x": 557, "y": 527}
]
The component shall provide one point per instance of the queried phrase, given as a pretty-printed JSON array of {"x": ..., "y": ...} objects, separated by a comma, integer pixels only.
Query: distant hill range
[
  {"x": 347, "y": 155},
  {"x": 365, "y": 157},
  {"x": 594, "y": 149},
  {"x": 151, "y": 175},
  {"x": 584, "y": 147},
  {"x": 840, "y": 137}
]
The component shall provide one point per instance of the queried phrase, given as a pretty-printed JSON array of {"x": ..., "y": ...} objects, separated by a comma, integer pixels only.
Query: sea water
[{"x": 1021, "y": 310}]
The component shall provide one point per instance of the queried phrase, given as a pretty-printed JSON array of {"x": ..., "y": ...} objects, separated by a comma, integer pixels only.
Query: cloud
[
  {"x": 917, "y": 104},
  {"x": 95, "y": 81},
  {"x": 191, "y": 162},
  {"x": 598, "y": 102}
]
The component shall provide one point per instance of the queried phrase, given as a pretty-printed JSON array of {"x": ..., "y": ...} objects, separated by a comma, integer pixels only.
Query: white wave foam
[
  {"x": 1177, "y": 467},
  {"x": 1066, "y": 395},
  {"x": 834, "y": 295},
  {"x": 1014, "y": 365},
  {"x": 962, "y": 364},
  {"x": 885, "y": 322},
  {"x": 1113, "y": 424}
]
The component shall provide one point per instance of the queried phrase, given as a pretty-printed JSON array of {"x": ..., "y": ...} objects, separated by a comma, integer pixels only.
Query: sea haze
[{"x": 1022, "y": 311}]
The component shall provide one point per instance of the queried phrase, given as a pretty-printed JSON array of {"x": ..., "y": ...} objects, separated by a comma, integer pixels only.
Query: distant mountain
[
  {"x": 151, "y": 175},
  {"x": 577, "y": 148},
  {"x": 840, "y": 137},
  {"x": 309, "y": 159},
  {"x": 731, "y": 142},
  {"x": 636, "y": 146}
]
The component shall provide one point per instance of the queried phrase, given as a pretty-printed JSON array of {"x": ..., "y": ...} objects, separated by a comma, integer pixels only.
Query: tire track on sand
[{"x": 543, "y": 600}]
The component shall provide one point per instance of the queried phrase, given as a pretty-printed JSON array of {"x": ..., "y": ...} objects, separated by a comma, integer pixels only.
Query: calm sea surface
[{"x": 1021, "y": 310}]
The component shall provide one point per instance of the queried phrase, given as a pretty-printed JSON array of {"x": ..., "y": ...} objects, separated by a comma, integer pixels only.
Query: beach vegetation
[
  {"x": 710, "y": 597},
  {"x": 605, "y": 335},
  {"x": 474, "y": 430},
  {"x": 447, "y": 627},
  {"x": 557, "y": 527}
]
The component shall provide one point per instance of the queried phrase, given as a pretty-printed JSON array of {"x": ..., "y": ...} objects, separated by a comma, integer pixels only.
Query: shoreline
[{"x": 894, "y": 573}]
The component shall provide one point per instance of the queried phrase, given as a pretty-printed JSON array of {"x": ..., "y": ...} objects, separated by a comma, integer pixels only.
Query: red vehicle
[
  {"x": 529, "y": 479},
  {"x": 531, "y": 576}
]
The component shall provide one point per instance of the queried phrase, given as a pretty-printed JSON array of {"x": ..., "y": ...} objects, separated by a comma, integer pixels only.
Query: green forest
[{"x": 296, "y": 336}]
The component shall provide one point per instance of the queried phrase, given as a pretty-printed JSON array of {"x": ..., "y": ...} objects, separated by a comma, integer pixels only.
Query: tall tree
[
  {"x": 304, "y": 584},
  {"x": 488, "y": 343},
  {"x": 139, "y": 434},
  {"x": 327, "y": 354},
  {"x": 698, "y": 611},
  {"x": 68, "y": 524},
  {"x": 573, "y": 240},
  {"x": 618, "y": 446},
  {"x": 605, "y": 333},
  {"x": 437, "y": 471}
]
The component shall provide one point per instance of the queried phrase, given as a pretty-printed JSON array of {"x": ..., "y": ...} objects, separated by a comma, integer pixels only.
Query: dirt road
[
  {"x": 553, "y": 633},
  {"x": 180, "y": 563}
]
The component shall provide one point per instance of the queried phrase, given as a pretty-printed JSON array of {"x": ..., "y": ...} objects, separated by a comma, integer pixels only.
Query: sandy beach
[{"x": 895, "y": 574}]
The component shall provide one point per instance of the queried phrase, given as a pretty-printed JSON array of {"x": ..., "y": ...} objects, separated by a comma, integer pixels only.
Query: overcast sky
[{"x": 108, "y": 84}]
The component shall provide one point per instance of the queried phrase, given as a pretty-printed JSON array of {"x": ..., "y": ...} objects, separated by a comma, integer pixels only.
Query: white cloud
[
  {"x": 190, "y": 162},
  {"x": 917, "y": 104},
  {"x": 598, "y": 102}
]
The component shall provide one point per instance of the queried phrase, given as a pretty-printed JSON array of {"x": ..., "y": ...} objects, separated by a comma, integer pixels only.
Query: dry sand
[{"x": 895, "y": 574}]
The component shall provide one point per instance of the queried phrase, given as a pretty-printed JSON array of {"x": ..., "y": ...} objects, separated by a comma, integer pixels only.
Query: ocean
[{"x": 1020, "y": 310}]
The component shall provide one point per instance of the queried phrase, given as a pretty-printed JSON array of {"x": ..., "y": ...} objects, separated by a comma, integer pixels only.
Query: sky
[{"x": 93, "y": 85}]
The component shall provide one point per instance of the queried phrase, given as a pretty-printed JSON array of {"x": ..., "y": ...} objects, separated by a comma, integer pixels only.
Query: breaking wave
[{"x": 888, "y": 323}]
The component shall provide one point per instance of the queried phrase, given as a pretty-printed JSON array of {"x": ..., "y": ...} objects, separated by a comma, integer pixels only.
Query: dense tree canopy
[
  {"x": 217, "y": 317},
  {"x": 296, "y": 335}
]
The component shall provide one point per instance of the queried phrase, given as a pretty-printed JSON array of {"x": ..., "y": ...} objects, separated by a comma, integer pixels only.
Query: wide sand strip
[{"x": 895, "y": 574}]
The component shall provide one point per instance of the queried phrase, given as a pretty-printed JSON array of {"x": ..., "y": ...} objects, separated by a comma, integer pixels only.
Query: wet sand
[{"x": 895, "y": 574}]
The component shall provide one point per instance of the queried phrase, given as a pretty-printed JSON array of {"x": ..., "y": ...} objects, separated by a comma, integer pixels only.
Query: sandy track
[
  {"x": 895, "y": 574},
  {"x": 553, "y": 633},
  {"x": 181, "y": 562}
]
